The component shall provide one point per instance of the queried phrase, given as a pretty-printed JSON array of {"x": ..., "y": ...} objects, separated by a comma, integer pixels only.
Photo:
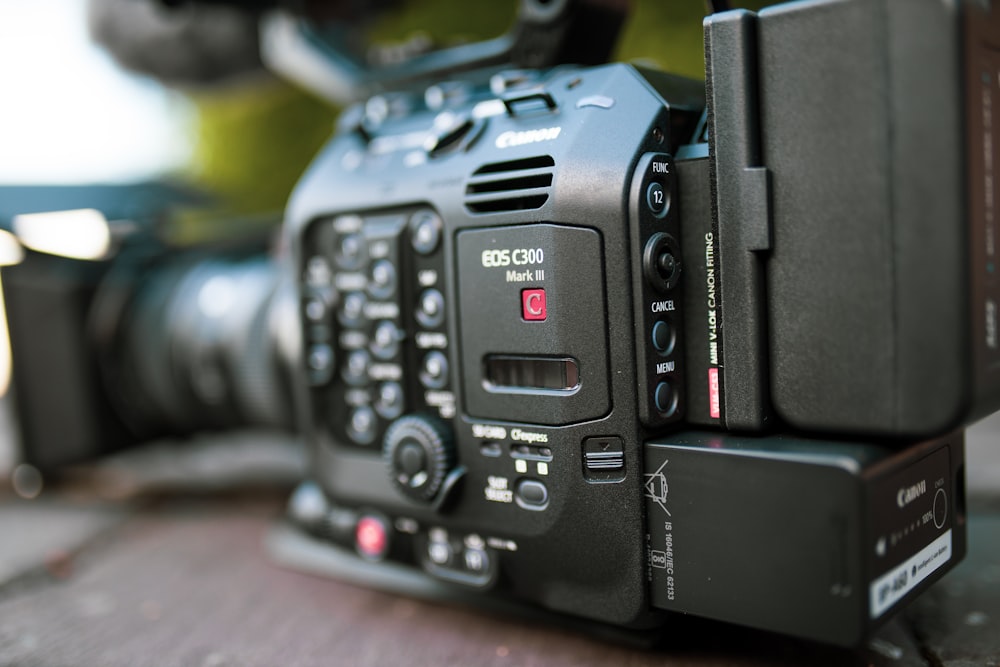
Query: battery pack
[{"x": 818, "y": 539}]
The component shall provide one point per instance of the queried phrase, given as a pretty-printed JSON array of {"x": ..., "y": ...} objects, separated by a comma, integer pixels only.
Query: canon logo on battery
[{"x": 906, "y": 496}]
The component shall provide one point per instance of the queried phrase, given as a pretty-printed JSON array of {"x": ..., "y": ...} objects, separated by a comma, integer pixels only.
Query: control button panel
[
  {"x": 375, "y": 315},
  {"x": 656, "y": 234}
]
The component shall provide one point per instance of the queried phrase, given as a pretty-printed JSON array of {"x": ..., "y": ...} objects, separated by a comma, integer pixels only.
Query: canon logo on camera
[{"x": 513, "y": 138}]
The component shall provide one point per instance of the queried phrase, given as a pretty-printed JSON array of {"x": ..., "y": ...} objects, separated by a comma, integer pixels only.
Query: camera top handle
[{"x": 545, "y": 33}]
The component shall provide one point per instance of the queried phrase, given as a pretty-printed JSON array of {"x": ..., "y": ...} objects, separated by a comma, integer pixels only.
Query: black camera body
[
  {"x": 503, "y": 302},
  {"x": 469, "y": 284},
  {"x": 601, "y": 340}
]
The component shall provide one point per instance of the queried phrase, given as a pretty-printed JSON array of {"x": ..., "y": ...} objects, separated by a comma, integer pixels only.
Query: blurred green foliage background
[{"x": 255, "y": 138}]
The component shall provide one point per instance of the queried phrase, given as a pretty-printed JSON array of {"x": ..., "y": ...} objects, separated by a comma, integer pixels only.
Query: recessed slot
[{"x": 504, "y": 373}]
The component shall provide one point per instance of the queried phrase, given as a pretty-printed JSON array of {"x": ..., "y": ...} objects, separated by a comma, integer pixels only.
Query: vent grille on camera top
[{"x": 516, "y": 185}]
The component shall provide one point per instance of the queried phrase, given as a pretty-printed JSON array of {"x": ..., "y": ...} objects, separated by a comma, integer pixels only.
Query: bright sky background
[{"x": 68, "y": 114}]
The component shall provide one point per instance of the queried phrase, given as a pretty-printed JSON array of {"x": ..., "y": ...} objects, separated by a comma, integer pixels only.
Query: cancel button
[{"x": 531, "y": 494}]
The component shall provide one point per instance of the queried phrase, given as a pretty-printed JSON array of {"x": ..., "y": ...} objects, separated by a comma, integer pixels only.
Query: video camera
[{"x": 614, "y": 343}]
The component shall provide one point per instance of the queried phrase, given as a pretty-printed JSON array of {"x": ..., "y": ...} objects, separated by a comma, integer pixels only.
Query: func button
[
  {"x": 656, "y": 199},
  {"x": 531, "y": 494}
]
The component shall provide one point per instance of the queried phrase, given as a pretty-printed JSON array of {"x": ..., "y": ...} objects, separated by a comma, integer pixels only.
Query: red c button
[{"x": 533, "y": 305}]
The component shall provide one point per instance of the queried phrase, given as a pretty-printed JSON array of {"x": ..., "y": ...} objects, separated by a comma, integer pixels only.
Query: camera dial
[{"x": 419, "y": 452}]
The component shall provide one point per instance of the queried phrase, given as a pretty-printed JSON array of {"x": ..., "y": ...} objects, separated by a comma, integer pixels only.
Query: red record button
[
  {"x": 372, "y": 537},
  {"x": 533, "y": 305}
]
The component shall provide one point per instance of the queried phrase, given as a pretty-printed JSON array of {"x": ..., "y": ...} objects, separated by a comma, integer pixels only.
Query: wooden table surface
[{"x": 176, "y": 574}]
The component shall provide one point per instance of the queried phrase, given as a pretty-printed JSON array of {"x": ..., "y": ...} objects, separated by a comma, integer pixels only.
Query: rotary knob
[{"x": 419, "y": 453}]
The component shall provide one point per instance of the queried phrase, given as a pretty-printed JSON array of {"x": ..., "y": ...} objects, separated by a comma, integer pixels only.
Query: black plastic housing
[
  {"x": 819, "y": 539},
  {"x": 500, "y": 269},
  {"x": 855, "y": 290},
  {"x": 878, "y": 285},
  {"x": 429, "y": 235}
]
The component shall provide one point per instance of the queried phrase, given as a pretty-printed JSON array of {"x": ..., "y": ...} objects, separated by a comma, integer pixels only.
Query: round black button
[
  {"x": 385, "y": 341},
  {"x": 531, "y": 494},
  {"x": 315, "y": 310},
  {"x": 476, "y": 560},
  {"x": 660, "y": 262},
  {"x": 352, "y": 311},
  {"x": 430, "y": 312},
  {"x": 940, "y": 508},
  {"x": 666, "y": 265},
  {"x": 361, "y": 427},
  {"x": 412, "y": 459},
  {"x": 320, "y": 362},
  {"x": 663, "y": 337},
  {"x": 665, "y": 399},
  {"x": 350, "y": 251},
  {"x": 656, "y": 199},
  {"x": 440, "y": 553},
  {"x": 355, "y": 371},
  {"x": 446, "y": 93},
  {"x": 381, "y": 108},
  {"x": 434, "y": 372},
  {"x": 389, "y": 403},
  {"x": 382, "y": 283},
  {"x": 317, "y": 273},
  {"x": 425, "y": 232},
  {"x": 316, "y": 304}
]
